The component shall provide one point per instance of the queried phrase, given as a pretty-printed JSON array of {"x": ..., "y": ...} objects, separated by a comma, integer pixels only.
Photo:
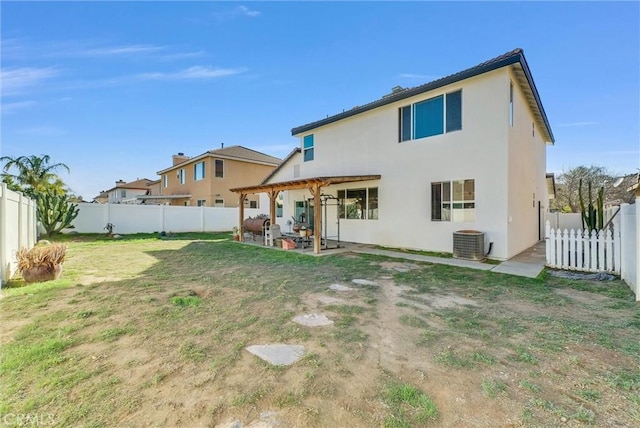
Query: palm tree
[{"x": 35, "y": 173}]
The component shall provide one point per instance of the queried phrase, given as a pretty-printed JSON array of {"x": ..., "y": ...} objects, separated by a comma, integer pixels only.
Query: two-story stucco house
[
  {"x": 127, "y": 193},
  {"x": 204, "y": 180},
  {"x": 464, "y": 152}
]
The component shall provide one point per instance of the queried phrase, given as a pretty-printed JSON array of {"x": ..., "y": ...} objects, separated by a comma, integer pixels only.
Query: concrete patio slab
[
  {"x": 313, "y": 320},
  {"x": 277, "y": 354},
  {"x": 528, "y": 263},
  {"x": 328, "y": 300},
  {"x": 364, "y": 282},
  {"x": 340, "y": 287}
]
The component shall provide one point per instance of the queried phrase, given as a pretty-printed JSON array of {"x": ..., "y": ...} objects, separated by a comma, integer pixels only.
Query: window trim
[
  {"x": 215, "y": 168},
  {"x": 195, "y": 171},
  {"x": 308, "y": 146},
  {"x": 368, "y": 206},
  {"x": 407, "y": 117},
  {"x": 451, "y": 202}
]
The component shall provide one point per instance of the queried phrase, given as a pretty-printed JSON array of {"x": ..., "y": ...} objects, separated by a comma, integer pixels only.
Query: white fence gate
[
  {"x": 581, "y": 251},
  {"x": 17, "y": 229}
]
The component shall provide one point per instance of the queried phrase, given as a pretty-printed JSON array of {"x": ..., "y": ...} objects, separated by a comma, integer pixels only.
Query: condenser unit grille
[{"x": 468, "y": 244}]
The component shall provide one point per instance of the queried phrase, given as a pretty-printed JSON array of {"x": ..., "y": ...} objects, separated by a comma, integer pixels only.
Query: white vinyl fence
[
  {"x": 17, "y": 229},
  {"x": 126, "y": 218},
  {"x": 628, "y": 221},
  {"x": 581, "y": 251}
]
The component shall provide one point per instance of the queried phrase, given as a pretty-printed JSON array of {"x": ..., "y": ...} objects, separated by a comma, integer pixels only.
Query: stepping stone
[
  {"x": 328, "y": 300},
  {"x": 313, "y": 320},
  {"x": 339, "y": 287},
  {"x": 277, "y": 354},
  {"x": 364, "y": 282}
]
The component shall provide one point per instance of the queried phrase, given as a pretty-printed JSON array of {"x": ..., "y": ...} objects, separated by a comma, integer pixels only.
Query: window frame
[
  {"x": 166, "y": 180},
  {"x": 202, "y": 170},
  {"x": 182, "y": 176},
  {"x": 218, "y": 173},
  {"x": 368, "y": 209},
  {"x": 451, "y": 207},
  {"x": 308, "y": 146},
  {"x": 218, "y": 202},
  {"x": 430, "y": 117},
  {"x": 201, "y": 203}
]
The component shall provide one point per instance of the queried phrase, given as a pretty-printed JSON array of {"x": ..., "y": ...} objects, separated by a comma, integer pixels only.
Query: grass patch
[
  {"x": 186, "y": 301},
  {"x": 452, "y": 359},
  {"x": 492, "y": 388},
  {"x": 408, "y": 406},
  {"x": 413, "y": 321}
]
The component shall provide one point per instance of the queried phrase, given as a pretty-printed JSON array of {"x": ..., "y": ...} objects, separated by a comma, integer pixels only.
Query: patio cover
[{"x": 313, "y": 184}]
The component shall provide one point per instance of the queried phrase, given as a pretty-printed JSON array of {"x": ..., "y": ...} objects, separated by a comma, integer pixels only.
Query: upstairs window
[
  {"x": 430, "y": 117},
  {"x": 123, "y": 193},
  {"x": 181, "y": 176},
  {"x": 219, "y": 168},
  {"x": 307, "y": 148},
  {"x": 166, "y": 181},
  {"x": 198, "y": 171}
]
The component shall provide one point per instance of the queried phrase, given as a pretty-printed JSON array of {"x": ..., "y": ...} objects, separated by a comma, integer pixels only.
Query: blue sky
[{"x": 113, "y": 89}]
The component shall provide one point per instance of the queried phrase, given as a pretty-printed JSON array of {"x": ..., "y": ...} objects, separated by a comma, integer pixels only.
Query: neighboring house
[
  {"x": 204, "y": 180},
  {"x": 464, "y": 152},
  {"x": 127, "y": 193},
  {"x": 102, "y": 198}
]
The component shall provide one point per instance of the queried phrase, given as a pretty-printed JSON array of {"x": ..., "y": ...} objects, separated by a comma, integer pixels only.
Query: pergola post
[
  {"x": 242, "y": 198},
  {"x": 317, "y": 218},
  {"x": 273, "y": 194}
]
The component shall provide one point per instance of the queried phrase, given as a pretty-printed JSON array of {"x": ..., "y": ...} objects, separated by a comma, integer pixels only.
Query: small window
[
  {"x": 181, "y": 176},
  {"x": 405, "y": 123},
  {"x": 219, "y": 203},
  {"x": 253, "y": 204},
  {"x": 533, "y": 129},
  {"x": 202, "y": 202},
  {"x": 308, "y": 145},
  {"x": 123, "y": 193},
  {"x": 454, "y": 111},
  {"x": 219, "y": 168},
  {"x": 198, "y": 171},
  {"x": 279, "y": 205},
  {"x": 166, "y": 181}
]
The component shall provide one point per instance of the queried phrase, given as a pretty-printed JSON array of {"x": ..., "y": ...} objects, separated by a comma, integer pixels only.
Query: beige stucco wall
[
  {"x": 527, "y": 182},
  {"x": 236, "y": 174},
  {"x": 368, "y": 144}
]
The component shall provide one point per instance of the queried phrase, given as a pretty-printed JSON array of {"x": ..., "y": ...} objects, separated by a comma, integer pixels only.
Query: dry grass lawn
[{"x": 149, "y": 332}]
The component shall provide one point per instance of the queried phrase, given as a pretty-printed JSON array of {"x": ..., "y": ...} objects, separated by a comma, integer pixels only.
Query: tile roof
[
  {"x": 513, "y": 57},
  {"x": 142, "y": 183},
  {"x": 240, "y": 152}
]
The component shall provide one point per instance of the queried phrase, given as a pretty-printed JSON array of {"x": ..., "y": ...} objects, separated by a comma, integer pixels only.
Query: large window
[
  {"x": 453, "y": 201},
  {"x": 198, "y": 171},
  {"x": 219, "y": 168},
  {"x": 430, "y": 117},
  {"x": 358, "y": 203},
  {"x": 307, "y": 148}
]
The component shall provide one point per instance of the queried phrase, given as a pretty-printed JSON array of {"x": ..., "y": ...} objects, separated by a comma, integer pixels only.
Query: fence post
[
  {"x": 3, "y": 233},
  {"x": 547, "y": 243}
]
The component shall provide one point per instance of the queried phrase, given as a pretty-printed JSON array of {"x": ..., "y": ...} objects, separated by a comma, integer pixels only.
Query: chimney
[
  {"x": 222, "y": 145},
  {"x": 120, "y": 183},
  {"x": 179, "y": 158}
]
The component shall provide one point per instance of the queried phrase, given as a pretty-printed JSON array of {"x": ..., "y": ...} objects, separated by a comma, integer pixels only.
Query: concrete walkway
[{"x": 529, "y": 263}]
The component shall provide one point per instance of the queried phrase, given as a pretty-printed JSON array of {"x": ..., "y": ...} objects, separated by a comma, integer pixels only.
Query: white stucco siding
[
  {"x": 527, "y": 171},
  {"x": 368, "y": 144}
]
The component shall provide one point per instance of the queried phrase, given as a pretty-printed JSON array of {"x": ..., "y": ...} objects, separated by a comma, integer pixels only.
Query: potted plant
[
  {"x": 42, "y": 262},
  {"x": 236, "y": 233}
]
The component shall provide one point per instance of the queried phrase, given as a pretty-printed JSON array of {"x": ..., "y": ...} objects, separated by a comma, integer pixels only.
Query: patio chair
[{"x": 271, "y": 234}]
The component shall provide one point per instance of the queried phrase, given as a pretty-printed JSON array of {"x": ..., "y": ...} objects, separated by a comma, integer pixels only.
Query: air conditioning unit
[{"x": 468, "y": 245}]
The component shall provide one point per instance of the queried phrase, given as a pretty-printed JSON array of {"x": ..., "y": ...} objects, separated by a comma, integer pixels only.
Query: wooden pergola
[{"x": 314, "y": 185}]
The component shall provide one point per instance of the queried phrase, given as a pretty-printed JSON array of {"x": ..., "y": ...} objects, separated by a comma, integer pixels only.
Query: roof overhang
[
  {"x": 163, "y": 196},
  {"x": 209, "y": 154},
  {"x": 514, "y": 59},
  {"x": 305, "y": 183}
]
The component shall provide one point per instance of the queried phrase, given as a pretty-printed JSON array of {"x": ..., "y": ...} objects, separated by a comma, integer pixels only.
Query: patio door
[{"x": 304, "y": 212}]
